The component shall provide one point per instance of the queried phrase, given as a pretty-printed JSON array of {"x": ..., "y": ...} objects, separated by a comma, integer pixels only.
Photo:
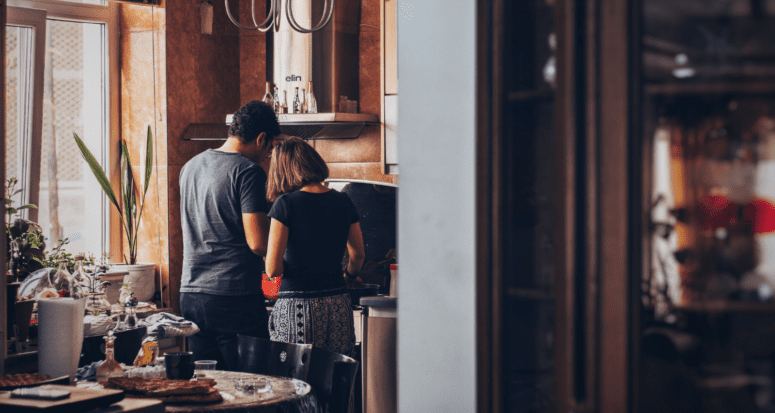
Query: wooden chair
[
  {"x": 332, "y": 376},
  {"x": 274, "y": 358}
]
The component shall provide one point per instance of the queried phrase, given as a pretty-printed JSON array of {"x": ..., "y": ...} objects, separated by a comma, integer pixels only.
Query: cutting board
[{"x": 80, "y": 400}]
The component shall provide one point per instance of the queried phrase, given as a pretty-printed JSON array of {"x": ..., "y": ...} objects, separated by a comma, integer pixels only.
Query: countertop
[{"x": 383, "y": 301}]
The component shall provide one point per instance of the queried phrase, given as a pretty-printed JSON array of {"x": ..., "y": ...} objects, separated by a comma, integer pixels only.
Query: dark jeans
[{"x": 220, "y": 319}]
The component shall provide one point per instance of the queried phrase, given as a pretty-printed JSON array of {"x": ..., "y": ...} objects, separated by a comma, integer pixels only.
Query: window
[{"x": 61, "y": 78}]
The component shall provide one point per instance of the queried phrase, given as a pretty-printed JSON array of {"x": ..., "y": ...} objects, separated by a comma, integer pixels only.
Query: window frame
[
  {"x": 79, "y": 12},
  {"x": 30, "y": 166}
]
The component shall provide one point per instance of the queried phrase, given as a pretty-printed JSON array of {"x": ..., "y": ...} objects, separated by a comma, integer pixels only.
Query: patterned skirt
[{"x": 325, "y": 322}]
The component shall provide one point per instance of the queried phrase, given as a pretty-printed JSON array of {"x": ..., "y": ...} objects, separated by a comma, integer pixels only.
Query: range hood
[
  {"x": 329, "y": 57},
  {"x": 303, "y": 125}
]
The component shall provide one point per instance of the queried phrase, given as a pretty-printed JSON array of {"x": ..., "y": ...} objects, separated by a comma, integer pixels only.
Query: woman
[{"x": 311, "y": 225}]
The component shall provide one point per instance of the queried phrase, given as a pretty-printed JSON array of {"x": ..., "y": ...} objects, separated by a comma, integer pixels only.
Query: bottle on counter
[
  {"x": 276, "y": 100},
  {"x": 268, "y": 99},
  {"x": 296, "y": 101},
  {"x": 303, "y": 97},
  {"x": 110, "y": 367},
  {"x": 312, "y": 104},
  {"x": 284, "y": 102}
]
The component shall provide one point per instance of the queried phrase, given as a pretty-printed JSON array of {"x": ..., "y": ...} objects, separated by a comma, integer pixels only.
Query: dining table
[{"x": 285, "y": 395}]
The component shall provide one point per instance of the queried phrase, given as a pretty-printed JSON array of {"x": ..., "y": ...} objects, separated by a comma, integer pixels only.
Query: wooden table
[{"x": 286, "y": 395}]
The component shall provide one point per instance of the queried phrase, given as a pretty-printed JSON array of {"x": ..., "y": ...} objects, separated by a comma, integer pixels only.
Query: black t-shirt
[
  {"x": 318, "y": 228},
  {"x": 216, "y": 188}
]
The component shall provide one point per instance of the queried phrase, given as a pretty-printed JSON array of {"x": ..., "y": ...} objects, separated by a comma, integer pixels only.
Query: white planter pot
[
  {"x": 115, "y": 277},
  {"x": 141, "y": 278}
]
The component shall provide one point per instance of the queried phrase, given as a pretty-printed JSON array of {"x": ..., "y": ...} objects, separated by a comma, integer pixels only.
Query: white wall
[{"x": 436, "y": 141}]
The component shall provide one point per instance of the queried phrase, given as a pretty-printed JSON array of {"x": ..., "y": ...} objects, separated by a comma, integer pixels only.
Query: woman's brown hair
[{"x": 294, "y": 164}]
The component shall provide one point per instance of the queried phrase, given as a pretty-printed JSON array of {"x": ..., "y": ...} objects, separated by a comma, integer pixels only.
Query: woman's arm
[
  {"x": 355, "y": 250},
  {"x": 278, "y": 238}
]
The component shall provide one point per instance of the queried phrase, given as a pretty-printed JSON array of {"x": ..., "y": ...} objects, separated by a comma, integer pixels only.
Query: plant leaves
[
  {"x": 148, "y": 161},
  {"x": 30, "y": 206},
  {"x": 97, "y": 171}
]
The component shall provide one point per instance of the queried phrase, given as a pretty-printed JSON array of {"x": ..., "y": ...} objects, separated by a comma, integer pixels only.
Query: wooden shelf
[
  {"x": 715, "y": 88},
  {"x": 726, "y": 306}
]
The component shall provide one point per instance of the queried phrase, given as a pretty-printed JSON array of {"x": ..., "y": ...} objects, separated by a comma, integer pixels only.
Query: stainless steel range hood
[
  {"x": 325, "y": 125},
  {"x": 330, "y": 59}
]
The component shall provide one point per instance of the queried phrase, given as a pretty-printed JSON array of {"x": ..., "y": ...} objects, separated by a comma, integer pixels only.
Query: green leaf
[
  {"x": 97, "y": 171},
  {"x": 148, "y": 161},
  {"x": 28, "y": 207}
]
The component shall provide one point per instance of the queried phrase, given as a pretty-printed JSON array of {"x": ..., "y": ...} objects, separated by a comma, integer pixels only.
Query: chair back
[
  {"x": 332, "y": 376},
  {"x": 274, "y": 358}
]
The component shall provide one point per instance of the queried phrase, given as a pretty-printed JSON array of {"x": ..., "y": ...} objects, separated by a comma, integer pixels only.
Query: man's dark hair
[{"x": 252, "y": 119}]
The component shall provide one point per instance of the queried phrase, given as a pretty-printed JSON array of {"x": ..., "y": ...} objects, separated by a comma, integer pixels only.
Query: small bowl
[{"x": 253, "y": 386}]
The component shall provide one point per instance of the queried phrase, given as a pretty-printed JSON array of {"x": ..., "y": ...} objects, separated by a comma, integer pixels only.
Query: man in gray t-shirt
[{"x": 223, "y": 210}]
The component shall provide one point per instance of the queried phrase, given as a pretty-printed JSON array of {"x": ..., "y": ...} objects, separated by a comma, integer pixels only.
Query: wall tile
[
  {"x": 181, "y": 151},
  {"x": 222, "y": 26},
  {"x": 246, "y": 19},
  {"x": 367, "y": 171},
  {"x": 182, "y": 85},
  {"x": 218, "y": 78},
  {"x": 370, "y": 14},
  {"x": 175, "y": 237},
  {"x": 365, "y": 148},
  {"x": 370, "y": 77},
  {"x": 183, "y": 16},
  {"x": 135, "y": 18},
  {"x": 252, "y": 51}
]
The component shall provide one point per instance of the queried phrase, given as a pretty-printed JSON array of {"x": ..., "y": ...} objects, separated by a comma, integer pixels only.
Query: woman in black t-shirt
[{"x": 311, "y": 227}]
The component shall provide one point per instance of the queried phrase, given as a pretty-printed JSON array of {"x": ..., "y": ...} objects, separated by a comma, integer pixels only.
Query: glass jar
[
  {"x": 64, "y": 284},
  {"x": 110, "y": 367}
]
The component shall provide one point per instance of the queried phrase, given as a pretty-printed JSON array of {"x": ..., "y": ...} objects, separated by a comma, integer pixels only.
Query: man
[{"x": 223, "y": 210}]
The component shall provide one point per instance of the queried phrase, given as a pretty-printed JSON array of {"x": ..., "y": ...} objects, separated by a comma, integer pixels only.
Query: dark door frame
[{"x": 598, "y": 196}]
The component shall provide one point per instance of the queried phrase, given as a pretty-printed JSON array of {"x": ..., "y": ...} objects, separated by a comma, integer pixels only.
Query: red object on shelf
[
  {"x": 716, "y": 211},
  {"x": 271, "y": 288},
  {"x": 762, "y": 213}
]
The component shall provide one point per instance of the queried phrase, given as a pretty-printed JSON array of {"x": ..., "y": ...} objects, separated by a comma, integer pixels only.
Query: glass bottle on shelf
[
  {"x": 312, "y": 104},
  {"x": 276, "y": 101},
  {"x": 284, "y": 102},
  {"x": 296, "y": 102},
  {"x": 303, "y": 97},
  {"x": 268, "y": 95},
  {"x": 110, "y": 367},
  {"x": 79, "y": 275}
]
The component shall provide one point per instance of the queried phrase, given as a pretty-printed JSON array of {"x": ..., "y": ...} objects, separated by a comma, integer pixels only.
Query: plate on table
[
  {"x": 80, "y": 400},
  {"x": 64, "y": 380}
]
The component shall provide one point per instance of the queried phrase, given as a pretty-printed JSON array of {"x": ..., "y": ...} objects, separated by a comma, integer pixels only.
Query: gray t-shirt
[{"x": 216, "y": 188}]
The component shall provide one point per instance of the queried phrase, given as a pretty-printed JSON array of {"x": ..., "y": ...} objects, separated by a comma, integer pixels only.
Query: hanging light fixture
[{"x": 273, "y": 17}]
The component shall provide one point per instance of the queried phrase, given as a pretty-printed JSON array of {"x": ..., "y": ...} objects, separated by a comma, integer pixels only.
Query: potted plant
[
  {"x": 140, "y": 275},
  {"x": 24, "y": 237}
]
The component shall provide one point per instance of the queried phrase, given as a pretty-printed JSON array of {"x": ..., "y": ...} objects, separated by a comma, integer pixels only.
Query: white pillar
[{"x": 436, "y": 206}]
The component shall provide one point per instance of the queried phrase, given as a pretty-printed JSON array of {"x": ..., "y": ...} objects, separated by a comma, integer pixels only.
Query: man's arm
[{"x": 256, "y": 231}]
